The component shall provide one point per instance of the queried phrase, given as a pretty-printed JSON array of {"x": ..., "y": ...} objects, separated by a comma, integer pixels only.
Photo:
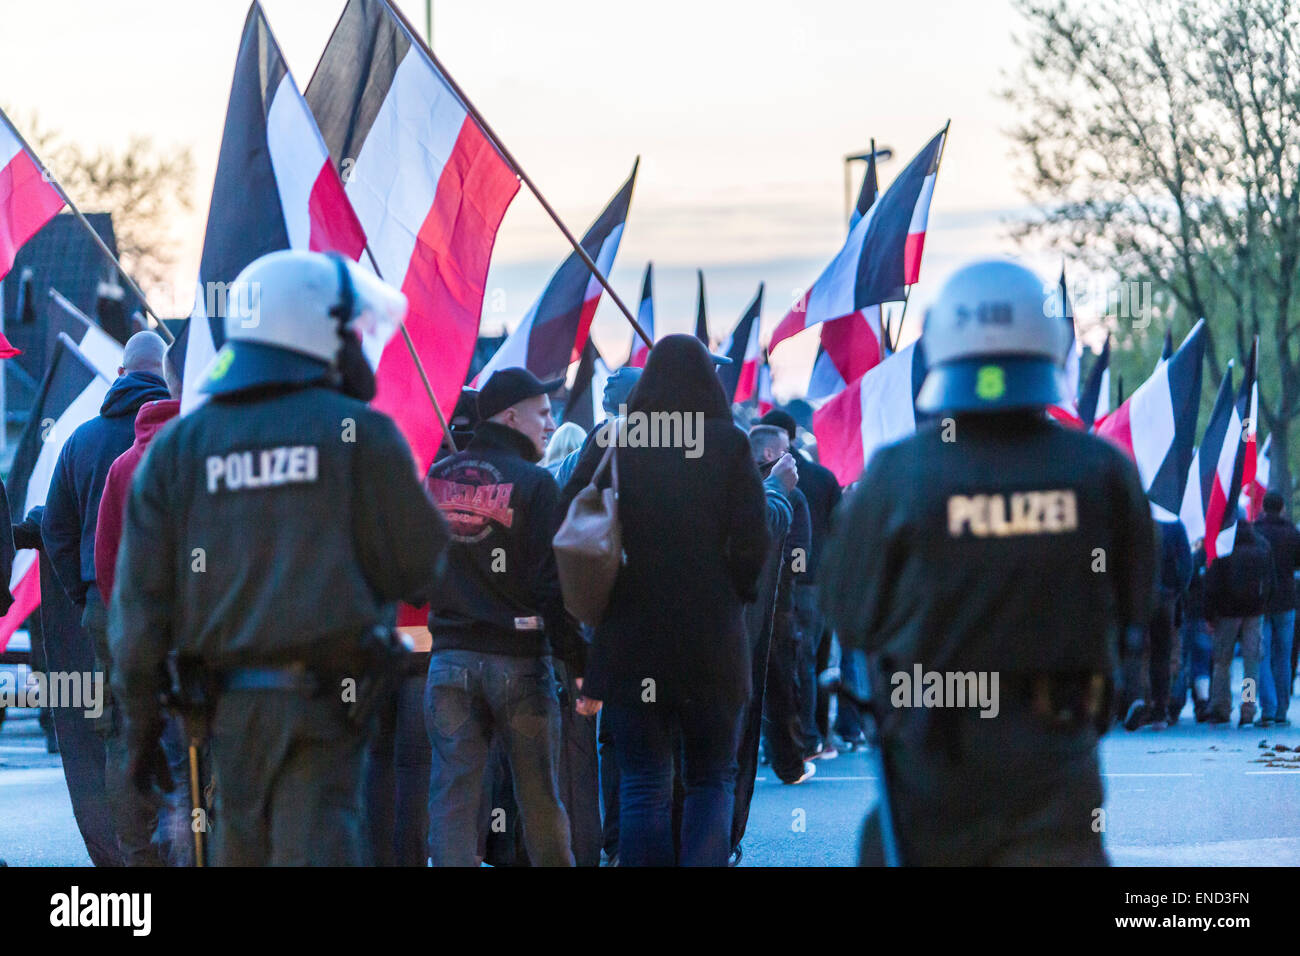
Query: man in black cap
[{"x": 494, "y": 625}]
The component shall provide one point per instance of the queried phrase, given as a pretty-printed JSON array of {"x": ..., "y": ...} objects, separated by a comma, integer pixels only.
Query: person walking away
[
  {"x": 969, "y": 551},
  {"x": 1238, "y": 587},
  {"x": 1193, "y": 675},
  {"x": 268, "y": 535},
  {"x": 1150, "y": 673},
  {"x": 1278, "y": 627},
  {"x": 68, "y": 531},
  {"x": 671, "y": 656},
  {"x": 495, "y": 624}
]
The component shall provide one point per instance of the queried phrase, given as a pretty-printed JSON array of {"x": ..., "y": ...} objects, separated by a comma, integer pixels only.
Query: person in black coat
[
  {"x": 1278, "y": 629},
  {"x": 1238, "y": 587},
  {"x": 671, "y": 653}
]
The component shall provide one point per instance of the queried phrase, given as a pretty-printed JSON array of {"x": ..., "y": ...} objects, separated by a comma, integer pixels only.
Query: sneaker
[
  {"x": 809, "y": 769},
  {"x": 826, "y": 751},
  {"x": 856, "y": 743},
  {"x": 1247, "y": 716},
  {"x": 1266, "y": 721},
  {"x": 1136, "y": 716},
  {"x": 1281, "y": 722},
  {"x": 1214, "y": 717},
  {"x": 1159, "y": 725},
  {"x": 734, "y": 859}
]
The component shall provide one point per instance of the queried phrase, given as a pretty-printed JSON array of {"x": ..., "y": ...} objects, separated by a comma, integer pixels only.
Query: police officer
[
  {"x": 267, "y": 535},
  {"x": 987, "y": 564}
]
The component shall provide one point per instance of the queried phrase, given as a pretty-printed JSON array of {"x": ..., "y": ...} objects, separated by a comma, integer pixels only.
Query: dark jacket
[
  {"x": 502, "y": 593},
  {"x": 820, "y": 487},
  {"x": 1175, "y": 570},
  {"x": 72, "y": 505},
  {"x": 796, "y": 551},
  {"x": 1194, "y": 606},
  {"x": 695, "y": 536},
  {"x": 269, "y": 530},
  {"x": 758, "y": 613},
  {"x": 1240, "y": 583},
  {"x": 981, "y": 554},
  {"x": 1284, "y": 545}
]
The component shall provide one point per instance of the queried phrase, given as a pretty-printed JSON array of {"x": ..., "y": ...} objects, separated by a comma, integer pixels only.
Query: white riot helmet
[
  {"x": 992, "y": 342},
  {"x": 294, "y": 317}
]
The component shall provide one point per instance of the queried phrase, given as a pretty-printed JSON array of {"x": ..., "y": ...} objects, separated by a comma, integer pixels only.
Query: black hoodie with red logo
[{"x": 501, "y": 593}]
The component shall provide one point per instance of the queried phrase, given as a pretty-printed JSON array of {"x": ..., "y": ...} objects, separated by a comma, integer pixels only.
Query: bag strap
[{"x": 610, "y": 460}]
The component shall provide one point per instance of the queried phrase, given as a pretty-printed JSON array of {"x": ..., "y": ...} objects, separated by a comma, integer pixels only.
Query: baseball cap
[{"x": 509, "y": 386}]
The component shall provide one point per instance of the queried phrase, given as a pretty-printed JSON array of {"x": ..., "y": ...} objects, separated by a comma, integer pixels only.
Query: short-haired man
[{"x": 493, "y": 626}]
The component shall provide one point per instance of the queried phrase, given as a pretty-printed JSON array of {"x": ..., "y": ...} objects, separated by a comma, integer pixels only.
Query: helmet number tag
[{"x": 990, "y": 383}]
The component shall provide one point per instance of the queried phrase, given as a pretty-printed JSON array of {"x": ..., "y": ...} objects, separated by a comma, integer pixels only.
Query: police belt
[{"x": 296, "y": 678}]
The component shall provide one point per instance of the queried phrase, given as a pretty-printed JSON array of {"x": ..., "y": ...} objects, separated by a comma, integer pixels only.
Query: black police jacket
[
  {"x": 1022, "y": 546},
  {"x": 502, "y": 592},
  {"x": 267, "y": 530}
]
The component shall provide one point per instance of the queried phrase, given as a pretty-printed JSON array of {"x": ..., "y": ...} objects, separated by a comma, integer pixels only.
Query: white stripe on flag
[
  {"x": 604, "y": 261},
  {"x": 921, "y": 211},
  {"x": 513, "y": 352},
  {"x": 199, "y": 353},
  {"x": 832, "y": 294},
  {"x": 1151, "y": 420},
  {"x": 10, "y": 145},
  {"x": 886, "y": 401},
  {"x": 396, "y": 176},
  {"x": 297, "y": 157},
  {"x": 103, "y": 351}
]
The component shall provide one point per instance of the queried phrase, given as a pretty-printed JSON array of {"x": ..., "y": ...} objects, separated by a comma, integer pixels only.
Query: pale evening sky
[{"x": 741, "y": 113}]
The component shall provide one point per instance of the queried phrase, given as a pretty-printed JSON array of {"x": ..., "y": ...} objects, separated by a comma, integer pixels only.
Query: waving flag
[
  {"x": 28, "y": 200},
  {"x": 553, "y": 333},
  {"x": 882, "y": 255},
  {"x": 875, "y": 410},
  {"x": 766, "y": 400},
  {"x": 1068, "y": 411},
  {"x": 740, "y": 378},
  {"x": 1157, "y": 425},
  {"x": 1094, "y": 400},
  {"x": 1252, "y": 495},
  {"x": 1219, "y": 460},
  {"x": 586, "y": 403},
  {"x": 275, "y": 188},
  {"x": 430, "y": 189},
  {"x": 1248, "y": 412},
  {"x": 645, "y": 317},
  {"x": 70, "y": 393},
  {"x": 701, "y": 322}
]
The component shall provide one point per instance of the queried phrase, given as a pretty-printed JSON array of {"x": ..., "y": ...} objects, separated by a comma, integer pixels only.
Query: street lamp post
[{"x": 882, "y": 154}]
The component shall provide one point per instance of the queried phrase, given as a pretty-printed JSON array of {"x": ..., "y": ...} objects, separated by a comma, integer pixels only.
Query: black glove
[{"x": 148, "y": 765}]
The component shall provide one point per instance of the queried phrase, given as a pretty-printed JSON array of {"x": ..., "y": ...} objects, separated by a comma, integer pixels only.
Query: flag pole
[
  {"x": 523, "y": 176},
  {"x": 419, "y": 367},
  {"x": 937, "y": 163},
  {"x": 103, "y": 246}
]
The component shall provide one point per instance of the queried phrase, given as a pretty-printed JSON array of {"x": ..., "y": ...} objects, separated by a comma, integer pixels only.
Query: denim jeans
[
  {"x": 1276, "y": 634},
  {"x": 644, "y": 742},
  {"x": 469, "y": 699},
  {"x": 397, "y": 779},
  {"x": 1193, "y": 665}
]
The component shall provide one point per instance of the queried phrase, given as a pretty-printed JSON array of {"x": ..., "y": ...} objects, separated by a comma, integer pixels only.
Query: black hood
[{"x": 130, "y": 391}]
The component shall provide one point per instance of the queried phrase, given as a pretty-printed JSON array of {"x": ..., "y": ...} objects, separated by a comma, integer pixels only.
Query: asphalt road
[{"x": 1192, "y": 795}]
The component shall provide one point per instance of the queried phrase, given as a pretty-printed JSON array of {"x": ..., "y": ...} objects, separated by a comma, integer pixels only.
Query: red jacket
[{"x": 112, "y": 504}]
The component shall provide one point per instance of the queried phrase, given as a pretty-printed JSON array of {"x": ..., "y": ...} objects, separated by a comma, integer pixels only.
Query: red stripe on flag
[
  {"x": 334, "y": 225},
  {"x": 838, "y": 428},
  {"x": 1116, "y": 428},
  {"x": 27, "y": 202},
  {"x": 912, "y": 257},
  {"x": 584, "y": 324},
  {"x": 27, "y": 598},
  {"x": 444, "y": 284},
  {"x": 852, "y": 346},
  {"x": 792, "y": 324},
  {"x": 747, "y": 381},
  {"x": 1214, "y": 513}
]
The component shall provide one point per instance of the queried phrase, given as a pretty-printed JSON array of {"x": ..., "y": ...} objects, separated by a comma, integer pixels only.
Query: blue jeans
[
  {"x": 1275, "y": 664},
  {"x": 643, "y": 740},
  {"x": 470, "y": 699}
]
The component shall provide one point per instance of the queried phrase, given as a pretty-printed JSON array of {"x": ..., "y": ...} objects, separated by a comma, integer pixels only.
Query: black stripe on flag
[
  {"x": 701, "y": 322},
  {"x": 580, "y": 408},
  {"x": 245, "y": 220},
  {"x": 68, "y": 375},
  {"x": 730, "y": 374},
  {"x": 354, "y": 76},
  {"x": 1215, "y": 433}
]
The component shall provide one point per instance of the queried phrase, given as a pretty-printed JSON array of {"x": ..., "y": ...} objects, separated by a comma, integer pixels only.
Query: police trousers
[
  {"x": 288, "y": 772},
  {"x": 1008, "y": 790}
]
